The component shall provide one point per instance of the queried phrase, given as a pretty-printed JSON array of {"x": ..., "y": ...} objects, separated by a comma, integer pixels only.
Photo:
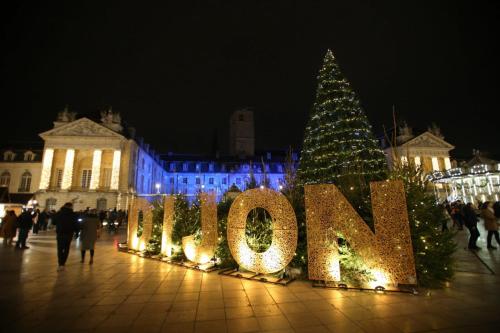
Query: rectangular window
[
  {"x": 184, "y": 180},
  {"x": 86, "y": 175},
  {"x": 238, "y": 181},
  {"x": 106, "y": 177},
  {"x": 59, "y": 176},
  {"x": 224, "y": 181},
  {"x": 211, "y": 167},
  {"x": 185, "y": 167},
  {"x": 211, "y": 181},
  {"x": 171, "y": 180},
  {"x": 197, "y": 180}
]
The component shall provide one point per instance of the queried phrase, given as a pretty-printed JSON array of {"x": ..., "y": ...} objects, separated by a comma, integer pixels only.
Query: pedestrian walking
[
  {"x": 66, "y": 224},
  {"x": 25, "y": 222},
  {"x": 490, "y": 223},
  {"x": 42, "y": 219},
  {"x": 90, "y": 231},
  {"x": 470, "y": 220},
  {"x": 9, "y": 225},
  {"x": 36, "y": 221}
]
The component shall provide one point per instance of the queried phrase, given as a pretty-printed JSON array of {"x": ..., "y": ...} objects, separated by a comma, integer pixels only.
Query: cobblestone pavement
[{"x": 123, "y": 292}]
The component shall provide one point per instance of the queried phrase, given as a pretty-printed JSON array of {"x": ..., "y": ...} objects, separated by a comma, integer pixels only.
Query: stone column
[
  {"x": 435, "y": 164},
  {"x": 68, "y": 169},
  {"x": 48, "y": 156},
  {"x": 96, "y": 169},
  {"x": 115, "y": 171},
  {"x": 447, "y": 163},
  {"x": 418, "y": 163}
]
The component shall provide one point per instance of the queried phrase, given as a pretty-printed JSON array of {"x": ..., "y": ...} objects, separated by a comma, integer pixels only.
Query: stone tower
[{"x": 241, "y": 133}]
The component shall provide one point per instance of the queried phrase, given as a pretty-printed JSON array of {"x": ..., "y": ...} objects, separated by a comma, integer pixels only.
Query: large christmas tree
[{"x": 339, "y": 146}]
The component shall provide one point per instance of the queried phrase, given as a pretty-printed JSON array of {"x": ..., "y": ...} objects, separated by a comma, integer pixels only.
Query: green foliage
[
  {"x": 222, "y": 252},
  {"x": 187, "y": 218},
  {"x": 339, "y": 146},
  {"x": 294, "y": 192},
  {"x": 258, "y": 230},
  {"x": 154, "y": 245},
  {"x": 432, "y": 248},
  {"x": 140, "y": 224},
  {"x": 353, "y": 270}
]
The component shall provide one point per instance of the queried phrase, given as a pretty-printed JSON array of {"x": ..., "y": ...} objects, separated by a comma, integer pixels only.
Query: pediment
[
  {"x": 428, "y": 140},
  {"x": 82, "y": 127}
]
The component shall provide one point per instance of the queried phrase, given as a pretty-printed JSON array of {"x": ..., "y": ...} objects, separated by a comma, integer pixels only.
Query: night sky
[{"x": 177, "y": 72}]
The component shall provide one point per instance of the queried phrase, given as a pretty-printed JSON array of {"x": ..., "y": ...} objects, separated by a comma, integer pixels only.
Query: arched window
[
  {"x": 5, "y": 179},
  {"x": 25, "y": 182}
]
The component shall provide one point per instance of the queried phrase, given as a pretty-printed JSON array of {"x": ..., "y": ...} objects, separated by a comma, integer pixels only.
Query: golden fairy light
[
  {"x": 284, "y": 226},
  {"x": 387, "y": 252}
]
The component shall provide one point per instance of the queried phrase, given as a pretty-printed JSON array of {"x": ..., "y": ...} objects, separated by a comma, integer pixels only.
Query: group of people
[
  {"x": 68, "y": 224},
  {"x": 27, "y": 220},
  {"x": 468, "y": 215}
]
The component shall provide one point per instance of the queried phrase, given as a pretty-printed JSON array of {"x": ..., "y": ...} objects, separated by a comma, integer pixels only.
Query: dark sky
[{"x": 176, "y": 72}]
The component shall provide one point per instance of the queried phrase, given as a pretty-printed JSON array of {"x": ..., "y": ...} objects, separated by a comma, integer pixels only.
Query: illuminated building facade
[
  {"x": 478, "y": 180},
  {"x": 100, "y": 164},
  {"x": 95, "y": 164},
  {"x": 428, "y": 151}
]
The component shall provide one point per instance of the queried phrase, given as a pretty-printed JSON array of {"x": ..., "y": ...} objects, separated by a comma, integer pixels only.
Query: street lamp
[{"x": 158, "y": 185}]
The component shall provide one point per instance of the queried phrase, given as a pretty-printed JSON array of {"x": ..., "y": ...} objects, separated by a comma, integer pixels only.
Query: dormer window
[
  {"x": 29, "y": 156},
  {"x": 9, "y": 155},
  {"x": 5, "y": 179}
]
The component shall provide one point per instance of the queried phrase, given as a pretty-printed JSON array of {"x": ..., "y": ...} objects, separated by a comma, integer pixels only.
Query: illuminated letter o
[{"x": 284, "y": 226}]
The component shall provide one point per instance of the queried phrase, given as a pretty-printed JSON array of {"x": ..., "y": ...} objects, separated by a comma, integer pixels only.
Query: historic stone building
[
  {"x": 241, "y": 133},
  {"x": 477, "y": 180},
  {"x": 428, "y": 151},
  {"x": 20, "y": 170},
  {"x": 94, "y": 164}
]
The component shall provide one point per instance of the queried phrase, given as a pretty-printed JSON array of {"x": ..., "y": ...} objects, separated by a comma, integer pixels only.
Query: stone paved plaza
[{"x": 126, "y": 293}]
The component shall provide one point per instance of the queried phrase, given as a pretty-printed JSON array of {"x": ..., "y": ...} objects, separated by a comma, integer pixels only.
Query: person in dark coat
[
  {"x": 496, "y": 209},
  {"x": 90, "y": 232},
  {"x": 66, "y": 223},
  {"x": 36, "y": 221},
  {"x": 470, "y": 221},
  {"x": 25, "y": 222},
  {"x": 42, "y": 219}
]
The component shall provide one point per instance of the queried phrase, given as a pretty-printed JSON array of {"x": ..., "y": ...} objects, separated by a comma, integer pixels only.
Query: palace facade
[
  {"x": 100, "y": 164},
  {"x": 428, "y": 151}
]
